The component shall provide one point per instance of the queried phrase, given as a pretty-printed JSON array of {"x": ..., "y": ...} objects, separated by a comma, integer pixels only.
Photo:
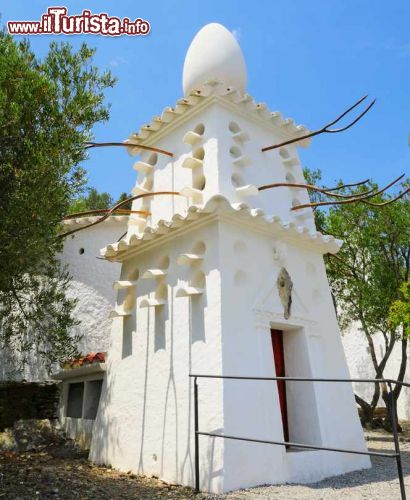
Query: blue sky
[{"x": 308, "y": 59}]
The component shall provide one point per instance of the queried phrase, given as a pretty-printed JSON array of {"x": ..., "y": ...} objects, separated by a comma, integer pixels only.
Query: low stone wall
[{"x": 32, "y": 400}]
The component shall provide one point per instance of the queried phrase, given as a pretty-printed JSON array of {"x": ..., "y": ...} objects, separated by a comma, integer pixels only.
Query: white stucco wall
[
  {"x": 251, "y": 306},
  {"x": 361, "y": 366},
  {"x": 92, "y": 281},
  {"x": 91, "y": 285},
  {"x": 145, "y": 420}
]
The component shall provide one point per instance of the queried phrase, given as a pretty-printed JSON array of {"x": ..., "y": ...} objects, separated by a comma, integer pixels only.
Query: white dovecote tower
[{"x": 223, "y": 279}]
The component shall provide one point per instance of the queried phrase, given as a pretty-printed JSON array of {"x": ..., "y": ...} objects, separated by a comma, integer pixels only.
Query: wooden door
[{"x": 279, "y": 360}]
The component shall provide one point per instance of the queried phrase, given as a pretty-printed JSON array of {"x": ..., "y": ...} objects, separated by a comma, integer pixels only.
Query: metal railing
[{"x": 390, "y": 404}]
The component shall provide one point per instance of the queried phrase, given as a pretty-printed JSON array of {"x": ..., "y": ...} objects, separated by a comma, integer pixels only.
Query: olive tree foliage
[
  {"x": 369, "y": 276},
  {"x": 47, "y": 110}
]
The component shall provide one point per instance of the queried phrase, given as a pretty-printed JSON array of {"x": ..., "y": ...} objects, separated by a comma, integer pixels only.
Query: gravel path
[
  {"x": 379, "y": 482},
  {"x": 52, "y": 474}
]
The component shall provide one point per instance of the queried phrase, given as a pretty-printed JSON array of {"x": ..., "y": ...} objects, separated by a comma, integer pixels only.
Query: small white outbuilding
[{"x": 223, "y": 279}]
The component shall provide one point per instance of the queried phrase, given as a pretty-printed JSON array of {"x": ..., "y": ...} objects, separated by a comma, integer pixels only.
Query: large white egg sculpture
[{"x": 214, "y": 54}]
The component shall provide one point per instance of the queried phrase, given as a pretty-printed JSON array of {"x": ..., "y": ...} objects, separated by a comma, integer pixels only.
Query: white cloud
[{"x": 118, "y": 61}]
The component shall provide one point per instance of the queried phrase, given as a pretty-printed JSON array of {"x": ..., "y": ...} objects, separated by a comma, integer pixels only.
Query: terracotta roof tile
[{"x": 90, "y": 358}]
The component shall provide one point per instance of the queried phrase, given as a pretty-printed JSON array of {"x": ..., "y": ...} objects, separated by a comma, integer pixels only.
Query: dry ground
[{"x": 55, "y": 473}]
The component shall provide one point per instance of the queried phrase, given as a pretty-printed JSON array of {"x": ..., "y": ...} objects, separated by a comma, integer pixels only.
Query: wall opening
[
  {"x": 164, "y": 263},
  {"x": 235, "y": 152},
  {"x": 284, "y": 153},
  {"x": 301, "y": 406},
  {"x": 199, "y": 248},
  {"x": 199, "y": 153},
  {"x": 134, "y": 274},
  {"x": 147, "y": 183},
  {"x": 200, "y": 129},
  {"x": 280, "y": 371},
  {"x": 237, "y": 180},
  {"x": 93, "y": 393},
  {"x": 75, "y": 400},
  {"x": 234, "y": 128},
  {"x": 290, "y": 178},
  {"x": 152, "y": 159},
  {"x": 198, "y": 181}
]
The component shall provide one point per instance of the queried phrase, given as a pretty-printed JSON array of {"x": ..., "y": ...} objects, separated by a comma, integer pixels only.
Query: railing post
[
  {"x": 393, "y": 420},
  {"x": 196, "y": 427}
]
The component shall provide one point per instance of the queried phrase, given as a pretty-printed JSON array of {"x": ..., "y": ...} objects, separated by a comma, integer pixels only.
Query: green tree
[
  {"x": 93, "y": 201},
  {"x": 123, "y": 197},
  {"x": 47, "y": 110},
  {"x": 368, "y": 274}
]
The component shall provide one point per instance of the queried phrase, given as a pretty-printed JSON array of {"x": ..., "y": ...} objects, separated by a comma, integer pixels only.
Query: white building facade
[{"x": 223, "y": 279}]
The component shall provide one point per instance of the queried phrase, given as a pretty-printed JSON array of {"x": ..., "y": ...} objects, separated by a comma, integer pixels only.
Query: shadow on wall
[
  {"x": 161, "y": 318},
  {"x": 365, "y": 391},
  {"x": 11, "y": 367},
  {"x": 198, "y": 305},
  {"x": 92, "y": 310},
  {"x": 144, "y": 403},
  {"x": 184, "y": 469},
  {"x": 177, "y": 404},
  {"x": 210, "y": 459},
  {"x": 105, "y": 429},
  {"x": 127, "y": 336},
  {"x": 171, "y": 387}
]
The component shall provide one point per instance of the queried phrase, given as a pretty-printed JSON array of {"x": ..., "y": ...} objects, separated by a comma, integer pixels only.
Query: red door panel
[{"x": 279, "y": 359}]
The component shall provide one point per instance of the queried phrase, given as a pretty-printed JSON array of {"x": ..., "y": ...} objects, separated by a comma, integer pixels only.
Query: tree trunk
[
  {"x": 381, "y": 389},
  {"x": 367, "y": 410},
  {"x": 397, "y": 387}
]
